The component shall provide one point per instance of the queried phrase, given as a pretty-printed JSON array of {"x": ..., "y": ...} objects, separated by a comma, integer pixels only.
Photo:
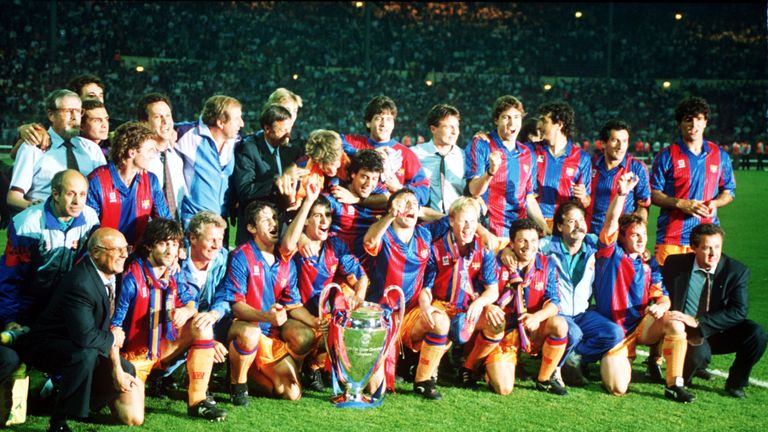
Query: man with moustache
[
  {"x": 607, "y": 168},
  {"x": 34, "y": 168},
  {"x": 502, "y": 171},
  {"x": 691, "y": 179},
  {"x": 262, "y": 164}
]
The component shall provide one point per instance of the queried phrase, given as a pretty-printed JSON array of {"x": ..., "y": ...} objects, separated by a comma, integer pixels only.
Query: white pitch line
[{"x": 717, "y": 372}]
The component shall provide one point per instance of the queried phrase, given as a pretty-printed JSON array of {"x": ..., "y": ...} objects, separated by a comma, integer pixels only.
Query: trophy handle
[{"x": 400, "y": 297}]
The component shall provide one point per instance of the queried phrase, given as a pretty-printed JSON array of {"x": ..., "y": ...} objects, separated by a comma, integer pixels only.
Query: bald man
[
  {"x": 44, "y": 241},
  {"x": 72, "y": 339}
]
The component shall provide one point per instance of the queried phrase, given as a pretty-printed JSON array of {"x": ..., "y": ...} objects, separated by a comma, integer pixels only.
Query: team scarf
[{"x": 162, "y": 295}]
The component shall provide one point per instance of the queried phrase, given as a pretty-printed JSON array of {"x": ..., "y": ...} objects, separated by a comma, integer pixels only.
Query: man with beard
[{"x": 34, "y": 168}]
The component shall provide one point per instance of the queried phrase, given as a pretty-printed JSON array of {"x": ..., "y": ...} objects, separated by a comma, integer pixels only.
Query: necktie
[
  {"x": 442, "y": 181},
  {"x": 71, "y": 160},
  {"x": 277, "y": 162},
  {"x": 170, "y": 194},
  {"x": 706, "y": 291},
  {"x": 111, "y": 294}
]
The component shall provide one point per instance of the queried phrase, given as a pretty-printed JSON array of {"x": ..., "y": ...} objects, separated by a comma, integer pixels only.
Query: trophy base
[{"x": 363, "y": 402}]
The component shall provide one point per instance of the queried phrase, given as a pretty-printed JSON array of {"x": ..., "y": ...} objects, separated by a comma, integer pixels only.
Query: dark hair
[
  {"x": 523, "y": 225},
  {"x": 504, "y": 103},
  {"x": 148, "y": 99},
  {"x": 560, "y": 111},
  {"x": 441, "y": 111},
  {"x": 77, "y": 83},
  {"x": 273, "y": 113},
  {"x": 564, "y": 208},
  {"x": 129, "y": 136},
  {"x": 530, "y": 126},
  {"x": 403, "y": 191},
  {"x": 90, "y": 104},
  {"x": 322, "y": 201},
  {"x": 158, "y": 230},
  {"x": 254, "y": 208},
  {"x": 691, "y": 106},
  {"x": 368, "y": 160},
  {"x": 629, "y": 219},
  {"x": 613, "y": 124},
  {"x": 703, "y": 230},
  {"x": 379, "y": 105}
]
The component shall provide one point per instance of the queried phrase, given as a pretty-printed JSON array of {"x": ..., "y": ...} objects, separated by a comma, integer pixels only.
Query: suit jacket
[
  {"x": 78, "y": 311},
  {"x": 728, "y": 298},
  {"x": 255, "y": 174}
]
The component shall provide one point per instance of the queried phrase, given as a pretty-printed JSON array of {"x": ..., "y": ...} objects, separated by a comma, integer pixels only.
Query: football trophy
[{"x": 358, "y": 342}]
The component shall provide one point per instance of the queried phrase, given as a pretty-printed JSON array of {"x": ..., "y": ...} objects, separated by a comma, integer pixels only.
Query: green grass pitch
[{"x": 643, "y": 408}]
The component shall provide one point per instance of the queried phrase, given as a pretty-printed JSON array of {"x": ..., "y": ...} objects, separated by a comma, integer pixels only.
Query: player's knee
[
  {"x": 442, "y": 322},
  {"x": 131, "y": 417},
  {"x": 503, "y": 387},
  {"x": 248, "y": 337},
  {"x": 673, "y": 327},
  {"x": 200, "y": 333},
  {"x": 558, "y": 326}
]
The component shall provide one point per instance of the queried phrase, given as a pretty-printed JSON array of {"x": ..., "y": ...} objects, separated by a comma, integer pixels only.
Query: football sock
[
  {"x": 674, "y": 350},
  {"x": 199, "y": 366},
  {"x": 484, "y": 345},
  {"x": 551, "y": 352},
  {"x": 432, "y": 350},
  {"x": 240, "y": 361}
]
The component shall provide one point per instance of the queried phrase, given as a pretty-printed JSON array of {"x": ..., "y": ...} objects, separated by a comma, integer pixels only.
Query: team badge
[
  {"x": 526, "y": 168},
  {"x": 446, "y": 260},
  {"x": 570, "y": 172},
  {"x": 539, "y": 286},
  {"x": 113, "y": 197},
  {"x": 333, "y": 268},
  {"x": 284, "y": 281},
  {"x": 350, "y": 210},
  {"x": 540, "y": 158},
  {"x": 401, "y": 172},
  {"x": 145, "y": 204},
  {"x": 476, "y": 266},
  {"x": 505, "y": 274},
  {"x": 681, "y": 163},
  {"x": 256, "y": 271},
  {"x": 713, "y": 169},
  {"x": 424, "y": 253}
]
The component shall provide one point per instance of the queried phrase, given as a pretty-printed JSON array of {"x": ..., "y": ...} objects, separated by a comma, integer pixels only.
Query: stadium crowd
[{"x": 118, "y": 267}]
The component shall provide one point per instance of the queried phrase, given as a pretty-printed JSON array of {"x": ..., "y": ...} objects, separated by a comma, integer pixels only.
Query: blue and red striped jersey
[
  {"x": 506, "y": 194},
  {"x": 399, "y": 263},
  {"x": 624, "y": 286},
  {"x": 252, "y": 280},
  {"x": 679, "y": 173},
  {"x": 555, "y": 177},
  {"x": 605, "y": 187},
  {"x": 410, "y": 174},
  {"x": 350, "y": 222},
  {"x": 539, "y": 287},
  {"x": 459, "y": 279},
  {"x": 316, "y": 272}
]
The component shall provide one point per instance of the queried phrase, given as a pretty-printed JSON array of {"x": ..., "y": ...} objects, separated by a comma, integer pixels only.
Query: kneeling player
[
  {"x": 333, "y": 261},
  {"x": 630, "y": 292},
  {"x": 531, "y": 303},
  {"x": 264, "y": 344},
  {"x": 155, "y": 310},
  {"x": 449, "y": 305}
]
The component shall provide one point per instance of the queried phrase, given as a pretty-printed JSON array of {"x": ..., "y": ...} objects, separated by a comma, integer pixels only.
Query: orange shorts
[
  {"x": 142, "y": 364},
  {"x": 508, "y": 348},
  {"x": 270, "y": 350},
  {"x": 628, "y": 346},
  {"x": 662, "y": 251}
]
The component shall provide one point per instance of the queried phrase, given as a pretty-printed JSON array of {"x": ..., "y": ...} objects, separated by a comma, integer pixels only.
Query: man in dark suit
[
  {"x": 261, "y": 165},
  {"x": 709, "y": 295},
  {"x": 72, "y": 339}
]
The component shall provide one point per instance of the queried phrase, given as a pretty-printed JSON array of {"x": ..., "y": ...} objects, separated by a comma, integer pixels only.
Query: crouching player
[
  {"x": 449, "y": 305},
  {"x": 630, "y": 292},
  {"x": 155, "y": 309},
  {"x": 531, "y": 302},
  {"x": 333, "y": 262},
  {"x": 264, "y": 344}
]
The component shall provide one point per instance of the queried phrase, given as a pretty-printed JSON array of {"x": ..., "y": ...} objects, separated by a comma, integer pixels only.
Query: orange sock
[
  {"x": 484, "y": 345},
  {"x": 199, "y": 365},
  {"x": 240, "y": 360},
  {"x": 551, "y": 353},
  {"x": 675, "y": 347},
  {"x": 432, "y": 350}
]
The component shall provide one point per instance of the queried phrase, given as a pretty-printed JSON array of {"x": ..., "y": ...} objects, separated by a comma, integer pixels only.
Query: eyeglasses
[
  {"x": 122, "y": 250},
  {"x": 73, "y": 112}
]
